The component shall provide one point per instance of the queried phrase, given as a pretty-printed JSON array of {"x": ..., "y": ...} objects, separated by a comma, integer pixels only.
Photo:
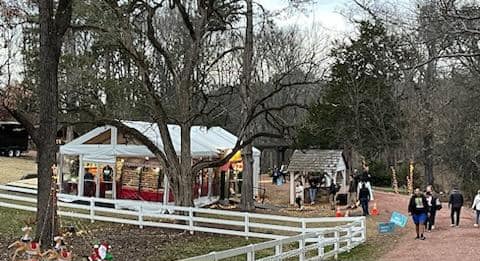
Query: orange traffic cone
[
  {"x": 338, "y": 213},
  {"x": 374, "y": 210}
]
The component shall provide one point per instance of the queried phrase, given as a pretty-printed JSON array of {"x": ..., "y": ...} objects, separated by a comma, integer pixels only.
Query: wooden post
[{"x": 292, "y": 188}]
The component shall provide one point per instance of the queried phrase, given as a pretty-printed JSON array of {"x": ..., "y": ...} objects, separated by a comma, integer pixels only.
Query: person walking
[
  {"x": 431, "y": 211},
  {"x": 455, "y": 204},
  {"x": 331, "y": 195},
  {"x": 352, "y": 190},
  {"x": 365, "y": 178},
  {"x": 476, "y": 207},
  {"x": 312, "y": 191},
  {"x": 364, "y": 196},
  {"x": 274, "y": 175},
  {"x": 299, "y": 194},
  {"x": 417, "y": 207}
]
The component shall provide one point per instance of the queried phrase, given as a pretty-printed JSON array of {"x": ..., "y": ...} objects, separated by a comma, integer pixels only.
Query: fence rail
[{"x": 327, "y": 236}]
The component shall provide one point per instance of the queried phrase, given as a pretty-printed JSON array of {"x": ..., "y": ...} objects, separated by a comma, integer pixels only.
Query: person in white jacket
[
  {"x": 299, "y": 194},
  {"x": 476, "y": 207}
]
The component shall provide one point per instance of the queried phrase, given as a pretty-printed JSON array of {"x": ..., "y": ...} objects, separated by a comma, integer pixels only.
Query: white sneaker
[
  {"x": 452, "y": 225},
  {"x": 475, "y": 225}
]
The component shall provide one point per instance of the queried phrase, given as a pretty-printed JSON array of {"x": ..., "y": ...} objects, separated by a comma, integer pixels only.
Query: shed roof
[{"x": 317, "y": 161}]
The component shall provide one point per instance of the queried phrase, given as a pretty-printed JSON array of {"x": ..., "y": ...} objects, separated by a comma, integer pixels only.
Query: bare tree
[{"x": 54, "y": 20}]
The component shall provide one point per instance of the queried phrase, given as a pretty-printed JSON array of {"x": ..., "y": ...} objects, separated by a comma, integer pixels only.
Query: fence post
[
  {"x": 92, "y": 209},
  {"x": 190, "y": 220},
  {"x": 251, "y": 253},
  {"x": 364, "y": 229},
  {"x": 279, "y": 250},
  {"x": 349, "y": 238},
  {"x": 140, "y": 217},
  {"x": 321, "y": 250},
  {"x": 301, "y": 245},
  {"x": 247, "y": 224},
  {"x": 337, "y": 242},
  {"x": 304, "y": 226}
]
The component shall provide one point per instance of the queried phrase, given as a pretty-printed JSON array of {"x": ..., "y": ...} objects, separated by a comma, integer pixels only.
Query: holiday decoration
[
  {"x": 411, "y": 169},
  {"x": 394, "y": 179},
  {"x": 25, "y": 246},
  {"x": 59, "y": 251},
  {"x": 101, "y": 252}
]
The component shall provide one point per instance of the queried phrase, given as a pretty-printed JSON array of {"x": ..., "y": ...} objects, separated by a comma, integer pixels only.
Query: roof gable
[{"x": 316, "y": 161}]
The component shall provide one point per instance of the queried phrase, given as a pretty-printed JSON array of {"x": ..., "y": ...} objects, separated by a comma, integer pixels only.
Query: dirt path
[
  {"x": 444, "y": 243},
  {"x": 12, "y": 169}
]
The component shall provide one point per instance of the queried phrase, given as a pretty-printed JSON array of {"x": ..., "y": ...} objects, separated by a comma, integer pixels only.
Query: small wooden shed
[{"x": 330, "y": 162}]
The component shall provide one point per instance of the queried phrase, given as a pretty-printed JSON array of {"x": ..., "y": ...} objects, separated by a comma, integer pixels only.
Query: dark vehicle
[{"x": 13, "y": 139}]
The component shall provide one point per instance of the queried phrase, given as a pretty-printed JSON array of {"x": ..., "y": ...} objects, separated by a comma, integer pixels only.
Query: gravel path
[{"x": 444, "y": 243}]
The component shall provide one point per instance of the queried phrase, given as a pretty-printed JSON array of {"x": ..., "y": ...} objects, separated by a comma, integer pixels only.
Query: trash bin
[{"x": 342, "y": 199}]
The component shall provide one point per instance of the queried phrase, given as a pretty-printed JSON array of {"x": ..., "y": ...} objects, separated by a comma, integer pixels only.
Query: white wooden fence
[{"x": 329, "y": 236}]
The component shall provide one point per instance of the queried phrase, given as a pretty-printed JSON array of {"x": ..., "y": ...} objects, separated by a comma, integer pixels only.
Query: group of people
[
  {"x": 279, "y": 175},
  {"x": 314, "y": 182},
  {"x": 423, "y": 207},
  {"x": 360, "y": 190}
]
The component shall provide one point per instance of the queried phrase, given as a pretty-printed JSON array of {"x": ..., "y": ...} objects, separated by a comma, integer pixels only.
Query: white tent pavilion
[{"x": 106, "y": 145}]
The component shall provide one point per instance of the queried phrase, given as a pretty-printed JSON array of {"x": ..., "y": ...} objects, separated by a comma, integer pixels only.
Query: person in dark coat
[
  {"x": 418, "y": 207},
  {"x": 332, "y": 195},
  {"x": 431, "y": 211},
  {"x": 312, "y": 191},
  {"x": 455, "y": 204},
  {"x": 352, "y": 189},
  {"x": 364, "y": 196}
]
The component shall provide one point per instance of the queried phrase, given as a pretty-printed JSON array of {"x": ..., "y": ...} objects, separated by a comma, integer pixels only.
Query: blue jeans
[
  {"x": 364, "y": 202},
  {"x": 313, "y": 194}
]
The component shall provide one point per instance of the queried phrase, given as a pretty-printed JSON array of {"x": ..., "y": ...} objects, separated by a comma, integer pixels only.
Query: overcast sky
[{"x": 325, "y": 13}]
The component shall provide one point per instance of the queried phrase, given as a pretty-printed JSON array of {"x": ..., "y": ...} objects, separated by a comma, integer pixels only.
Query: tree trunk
[
  {"x": 428, "y": 132},
  {"x": 48, "y": 100},
  {"x": 185, "y": 195},
  {"x": 52, "y": 29},
  {"x": 247, "y": 199},
  {"x": 247, "y": 202}
]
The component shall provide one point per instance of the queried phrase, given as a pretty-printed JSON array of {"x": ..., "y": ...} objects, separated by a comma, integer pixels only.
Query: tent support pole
[
  {"x": 210, "y": 182},
  {"x": 166, "y": 189},
  {"x": 81, "y": 174},
  {"x": 60, "y": 172}
]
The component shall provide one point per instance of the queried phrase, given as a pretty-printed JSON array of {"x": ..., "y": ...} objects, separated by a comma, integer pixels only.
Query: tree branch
[{"x": 186, "y": 19}]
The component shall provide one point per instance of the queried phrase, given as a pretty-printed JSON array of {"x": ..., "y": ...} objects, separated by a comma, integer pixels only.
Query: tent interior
[{"x": 107, "y": 163}]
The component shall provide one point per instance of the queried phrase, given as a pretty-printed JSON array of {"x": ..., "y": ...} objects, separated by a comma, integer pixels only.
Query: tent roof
[
  {"x": 317, "y": 161},
  {"x": 205, "y": 142}
]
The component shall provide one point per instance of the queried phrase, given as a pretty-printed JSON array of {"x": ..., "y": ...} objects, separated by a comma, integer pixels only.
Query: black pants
[
  {"x": 453, "y": 211},
  {"x": 299, "y": 201},
  {"x": 430, "y": 220},
  {"x": 364, "y": 202}
]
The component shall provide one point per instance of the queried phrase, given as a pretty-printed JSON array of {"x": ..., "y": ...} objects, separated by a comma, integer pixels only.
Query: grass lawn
[
  {"x": 128, "y": 242},
  {"x": 163, "y": 244},
  {"x": 376, "y": 245}
]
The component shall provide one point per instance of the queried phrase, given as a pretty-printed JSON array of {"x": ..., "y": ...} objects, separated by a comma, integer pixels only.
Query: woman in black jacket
[{"x": 418, "y": 208}]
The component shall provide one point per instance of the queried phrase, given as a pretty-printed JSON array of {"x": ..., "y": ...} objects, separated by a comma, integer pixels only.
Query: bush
[{"x": 380, "y": 175}]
